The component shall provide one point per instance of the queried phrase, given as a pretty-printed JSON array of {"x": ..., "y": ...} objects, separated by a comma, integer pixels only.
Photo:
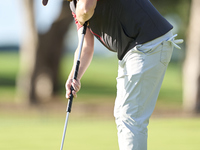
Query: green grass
[
  {"x": 98, "y": 81},
  {"x": 31, "y": 132},
  {"x": 171, "y": 90},
  {"x": 45, "y": 133},
  {"x": 174, "y": 134},
  {"x": 9, "y": 65}
]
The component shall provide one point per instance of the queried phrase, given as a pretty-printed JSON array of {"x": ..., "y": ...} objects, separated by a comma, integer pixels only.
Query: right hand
[{"x": 76, "y": 85}]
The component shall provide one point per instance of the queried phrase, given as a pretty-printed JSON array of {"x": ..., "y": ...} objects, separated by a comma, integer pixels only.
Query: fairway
[
  {"x": 174, "y": 134},
  {"x": 45, "y": 133}
]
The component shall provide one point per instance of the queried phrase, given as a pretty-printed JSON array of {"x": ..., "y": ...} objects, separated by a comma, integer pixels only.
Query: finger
[
  {"x": 67, "y": 95},
  {"x": 74, "y": 94},
  {"x": 68, "y": 85},
  {"x": 76, "y": 85},
  {"x": 68, "y": 91}
]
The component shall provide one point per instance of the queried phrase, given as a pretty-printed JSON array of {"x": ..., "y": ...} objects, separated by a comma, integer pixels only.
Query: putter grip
[
  {"x": 84, "y": 27},
  {"x": 71, "y": 88}
]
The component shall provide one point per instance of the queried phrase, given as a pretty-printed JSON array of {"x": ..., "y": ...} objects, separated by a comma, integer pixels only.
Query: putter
[{"x": 70, "y": 100}]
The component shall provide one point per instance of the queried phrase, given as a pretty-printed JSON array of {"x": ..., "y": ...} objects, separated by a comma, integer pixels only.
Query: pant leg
[{"x": 140, "y": 75}]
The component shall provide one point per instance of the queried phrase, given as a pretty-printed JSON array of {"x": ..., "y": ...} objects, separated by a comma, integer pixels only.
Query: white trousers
[{"x": 140, "y": 75}]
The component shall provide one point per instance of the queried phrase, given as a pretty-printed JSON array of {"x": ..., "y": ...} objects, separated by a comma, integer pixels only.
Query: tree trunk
[
  {"x": 43, "y": 75},
  {"x": 191, "y": 70},
  {"x": 27, "y": 53},
  {"x": 50, "y": 47}
]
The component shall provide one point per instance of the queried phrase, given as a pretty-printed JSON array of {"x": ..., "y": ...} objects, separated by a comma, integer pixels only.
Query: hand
[
  {"x": 76, "y": 85},
  {"x": 44, "y": 2},
  {"x": 85, "y": 10}
]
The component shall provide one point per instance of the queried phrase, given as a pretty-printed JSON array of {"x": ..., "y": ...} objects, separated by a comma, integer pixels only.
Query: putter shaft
[
  {"x": 64, "y": 132},
  {"x": 75, "y": 76}
]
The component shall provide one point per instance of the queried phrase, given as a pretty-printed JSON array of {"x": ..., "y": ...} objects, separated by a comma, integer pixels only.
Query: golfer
[{"x": 144, "y": 42}]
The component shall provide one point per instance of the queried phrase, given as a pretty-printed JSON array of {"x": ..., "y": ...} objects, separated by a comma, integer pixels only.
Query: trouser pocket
[{"x": 166, "y": 52}]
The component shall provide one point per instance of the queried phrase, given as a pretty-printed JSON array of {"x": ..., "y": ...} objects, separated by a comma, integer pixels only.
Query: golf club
[{"x": 70, "y": 100}]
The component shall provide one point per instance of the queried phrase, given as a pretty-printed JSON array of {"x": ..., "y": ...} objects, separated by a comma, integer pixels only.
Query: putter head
[{"x": 44, "y": 2}]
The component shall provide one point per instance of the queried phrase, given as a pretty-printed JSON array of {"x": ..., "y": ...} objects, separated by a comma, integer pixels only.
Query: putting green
[{"x": 45, "y": 133}]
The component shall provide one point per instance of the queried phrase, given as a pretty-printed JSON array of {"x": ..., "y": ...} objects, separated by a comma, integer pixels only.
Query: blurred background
[{"x": 36, "y": 55}]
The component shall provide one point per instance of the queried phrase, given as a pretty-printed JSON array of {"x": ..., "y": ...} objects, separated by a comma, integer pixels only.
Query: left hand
[{"x": 76, "y": 85}]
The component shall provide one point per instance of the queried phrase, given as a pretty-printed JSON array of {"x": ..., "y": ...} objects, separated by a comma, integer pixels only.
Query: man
[{"x": 144, "y": 43}]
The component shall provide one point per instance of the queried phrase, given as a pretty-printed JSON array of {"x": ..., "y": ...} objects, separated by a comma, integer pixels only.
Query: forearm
[
  {"x": 85, "y": 10},
  {"x": 86, "y": 54},
  {"x": 85, "y": 60}
]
